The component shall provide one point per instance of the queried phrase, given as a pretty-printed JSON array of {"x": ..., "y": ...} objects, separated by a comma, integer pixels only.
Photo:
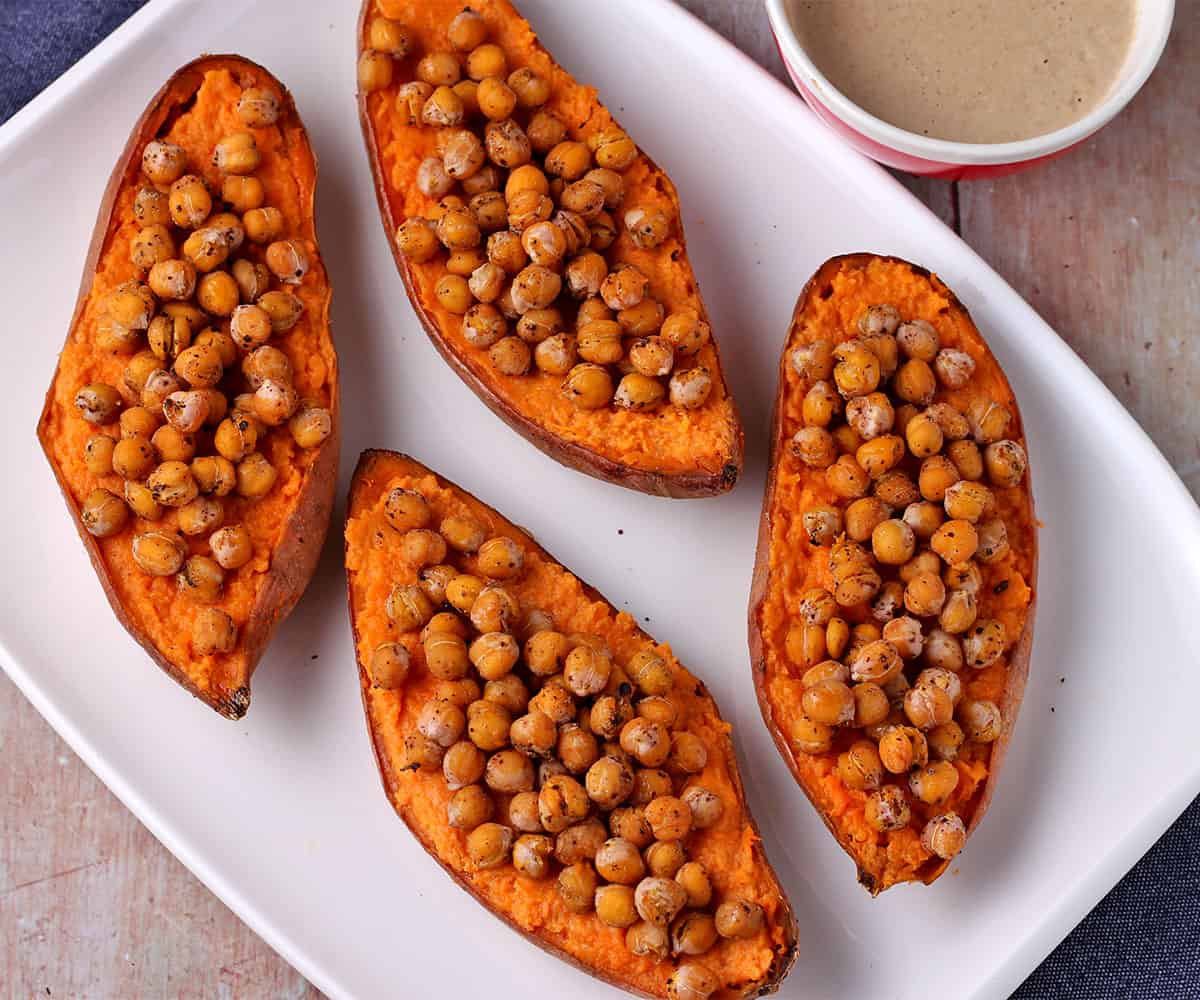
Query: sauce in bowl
[{"x": 969, "y": 70}]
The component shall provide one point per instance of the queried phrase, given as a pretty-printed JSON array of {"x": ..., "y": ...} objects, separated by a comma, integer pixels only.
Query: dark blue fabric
[{"x": 1142, "y": 941}]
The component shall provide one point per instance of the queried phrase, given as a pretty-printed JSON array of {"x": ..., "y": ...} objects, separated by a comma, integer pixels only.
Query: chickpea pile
[
  {"x": 204, "y": 388},
  {"x": 909, "y": 540},
  {"x": 525, "y": 216},
  {"x": 562, "y": 763}
]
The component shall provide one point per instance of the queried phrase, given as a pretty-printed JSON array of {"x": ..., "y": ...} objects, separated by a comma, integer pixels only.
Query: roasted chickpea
[
  {"x": 856, "y": 372},
  {"x": 690, "y": 388},
  {"x": 870, "y": 704},
  {"x": 103, "y": 513},
  {"x": 1006, "y": 463},
  {"x": 531, "y": 855},
  {"x": 374, "y": 70},
  {"x": 954, "y": 368},
  {"x": 923, "y": 518},
  {"x": 915, "y": 382},
  {"x": 609, "y": 782},
  {"x": 815, "y": 447},
  {"x": 925, "y": 595},
  {"x": 706, "y": 807},
  {"x": 937, "y": 475},
  {"x": 648, "y": 783},
  {"x": 584, "y": 197},
  {"x": 510, "y": 356},
  {"x": 588, "y": 386},
  {"x": 659, "y": 900},
  {"x": 255, "y": 476},
  {"x": 158, "y": 554},
  {"x": 489, "y": 845},
  {"x": 534, "y": 734},
  {"x": 944, "y": 835},
  {"x": 469, "y": 808},
  {"x": 506, "y": 143},
  {"x": 923, "y": 436},
  {"x": 928, "y": 706},
  {"x": 562, "y": 802},
  {"x": 918, "y": 339},
  {"x": 887, "y": 809},
  {"x": 739, "y": 918},
  {"x": 811, "y": 737},
  {"x": 601, "y": 227},
  {"x": 934, "y": 783},
  {"x": 860, "y": 768},
  {"x": 577, "y": 886},
  {"x": 532, "y": 90}
]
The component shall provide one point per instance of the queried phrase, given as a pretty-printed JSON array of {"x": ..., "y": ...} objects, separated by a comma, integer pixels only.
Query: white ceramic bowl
[{"x": 920, "y": 154}]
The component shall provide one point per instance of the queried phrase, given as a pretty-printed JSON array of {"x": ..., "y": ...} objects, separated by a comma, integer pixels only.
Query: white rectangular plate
[{"x": 282, "y": 814}]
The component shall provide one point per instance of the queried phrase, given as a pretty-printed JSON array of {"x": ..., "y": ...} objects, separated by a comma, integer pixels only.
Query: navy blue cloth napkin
[{"x": 1142, "y": 941}]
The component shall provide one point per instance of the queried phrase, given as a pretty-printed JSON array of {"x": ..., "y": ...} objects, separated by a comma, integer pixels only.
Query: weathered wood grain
[{"x": 1104, "y": 243}]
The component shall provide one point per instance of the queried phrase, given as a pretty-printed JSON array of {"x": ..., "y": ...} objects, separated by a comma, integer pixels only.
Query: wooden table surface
[{"x": 1104, "y": 243}]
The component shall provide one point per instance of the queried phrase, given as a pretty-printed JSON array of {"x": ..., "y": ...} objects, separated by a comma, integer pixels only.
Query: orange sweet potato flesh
[
  {"x": 669, "y": 451},
  {"x": 195, "y": 108},
  {"x": 731, "y": 850},
  {"x": 787, "y": 564}
]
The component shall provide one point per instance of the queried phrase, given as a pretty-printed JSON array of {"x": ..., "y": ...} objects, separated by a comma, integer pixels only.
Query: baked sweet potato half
[
  {"x": 192, "y": 418},
  {"x": 891, "y": 613},
  {"x": 563, "y": 767},
  {"x": 542, "y": 250}
]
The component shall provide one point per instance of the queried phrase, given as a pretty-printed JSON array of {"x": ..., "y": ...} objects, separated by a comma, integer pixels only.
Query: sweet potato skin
[
  {"x": 375, "y": 464},
  {"x": 1019, "y": 657},
  {"x": 295, "y": 560},
  {"x": 678, "y": 485}
]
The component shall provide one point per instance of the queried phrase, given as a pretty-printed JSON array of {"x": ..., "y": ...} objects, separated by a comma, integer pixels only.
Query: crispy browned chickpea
[
  {"x": 531, "y": 855},
  {"x": 924, "y": 518},
  {"x": 880, "y": 455},
  {"x": 870, "y": 704},
  {"x": 389, "y": 669},
  {"x": 923, "y": 436},
  {"x": 639, "y": 392},
  {"x": 937, "y": 475},
  {"x": 141, "y": 502},
  {"x": 577, "y": 886},
  {"x": 918, "y": 339},
  {"x": 928, "y": 706},
  {"x": 507, "y": 771},
  {"x": 955, "y": 541},
  {"x": 609, "y": 782},
  {"x": 158, "y": 554},
  {"x": 150, "y": 206},
  {"x": 489, "y": 845},
  {"x": 374, "y": 70},
  {"x": 510, "y": 356},
  {"x": 659, "y": 900},
  {"x": 629, "y": 823},
  {"x": 588, "y": 386},
  {"x": 814, "y": 446},
  {"x": 934, "y": 783},
  {"x": 562, "y": 802},
  {"x": 691, "y": 388},
  {"x": 422, "y": 547},
  {"x": 613, "y": 148},
  {"x": 954, "y": 368},
  {"x": 214, "y": 632},
  {"x": 739, "y": 918},
  {"x": 887, "y": 809},
  {"x": 856, "y": 372},
  {"x": 532, "y": 90},
  {"x": 103, "y": 513},
  {"x": 705, "y": 805},
  {"x": 1006, "y": 463},
  {"x": 648, "y": 784},
  {"x": 860, "y": 768},
  {"x": 944, "y": 835},
  {"x": 580, "y": 842},
  {"x": 601, "y": 227},
  {"x": 945, "y": 740},
  {"x": 163, "y": 162},
  {"x": 469, "y": 807}
]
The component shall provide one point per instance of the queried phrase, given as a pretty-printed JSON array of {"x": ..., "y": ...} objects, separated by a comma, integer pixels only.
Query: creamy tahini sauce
[{"x": 969, "y": 70}]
